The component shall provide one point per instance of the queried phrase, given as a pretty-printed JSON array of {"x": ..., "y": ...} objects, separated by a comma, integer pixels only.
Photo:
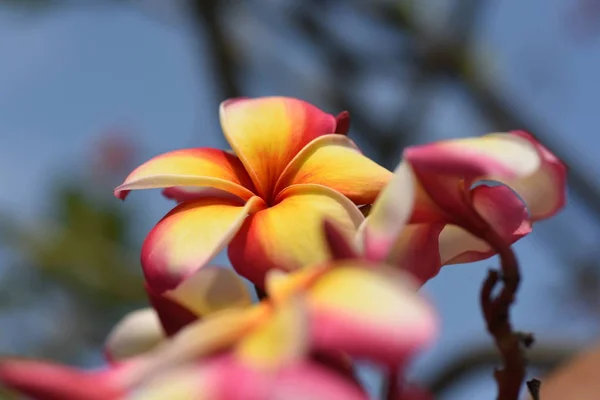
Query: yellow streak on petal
[
  {"x": 190, "y": 167},
  {"x": 281, "y": 286},
  {"x": 335, "y": 161},
  {"x": 211, "y": 289},
  {"x": 266, "y": 133},
  {"x": 372, "y": 294},
  {"x": 280, "y": 340},
  {"x": 189, "y": 236},
  {"x": 290, "y": 235}
]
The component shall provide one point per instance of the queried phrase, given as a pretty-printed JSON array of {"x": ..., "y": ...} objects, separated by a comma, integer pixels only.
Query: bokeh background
[{"x": 91, "y": 88}]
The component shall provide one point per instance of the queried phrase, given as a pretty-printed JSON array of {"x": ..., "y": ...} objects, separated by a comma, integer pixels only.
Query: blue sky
[{"x": 67, "y": 76}]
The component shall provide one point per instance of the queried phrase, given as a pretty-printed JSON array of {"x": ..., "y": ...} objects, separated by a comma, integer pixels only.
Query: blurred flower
[
  {"x": 254, "y": 352},
  {"x": 434, "y": 213},
  {"x": 266, "y": 199}
]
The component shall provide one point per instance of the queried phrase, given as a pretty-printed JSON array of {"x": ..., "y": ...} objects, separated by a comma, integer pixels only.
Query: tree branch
[
  {"x": 496, "y": 312},
  {"x": 206, "y": 14},
  {"x": 545, "y": 356}
]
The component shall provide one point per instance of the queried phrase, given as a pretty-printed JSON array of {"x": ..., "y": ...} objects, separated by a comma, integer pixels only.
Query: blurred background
[{"x": 91, "y": 88}]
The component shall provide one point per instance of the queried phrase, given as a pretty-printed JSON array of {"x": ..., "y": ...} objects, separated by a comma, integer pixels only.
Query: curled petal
[
  {"x": 340, "y": 246},
  {"x": 446, "y": 169},
  {"x": 417, "y": 250},
  {"x": 210, "y": 290},
  {"x": 389, "y": 214},
  {"x": 279, "y": 341},
  {"x": 203, "y": 167},
  {"x": 342, "y": 123},
  {"x": 290, "y": 234},
  {"x": 188, "y": 237},
  {"x": 46, "y": 381},
  {"x": 370, "y": 311},
  {"x": 266, "y": 133},
  {"x": 492, "y": 156},
  {"x": 172, "y": 315},
  {"x": 135, "y": 334},
  {"x": 335, "y": 161},
  {"x": 424, "y": 248},
  {"x": 191, "y": 193},
  {"x": 544, "y": 192},
  {"x": 499, "y": 207}
]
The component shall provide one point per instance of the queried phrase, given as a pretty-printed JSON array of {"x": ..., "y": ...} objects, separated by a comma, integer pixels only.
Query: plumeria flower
[
  {"x": 291, "y": 165},
  {"x": 363, "y": 310},
  {"x": 434, "y": 213}
]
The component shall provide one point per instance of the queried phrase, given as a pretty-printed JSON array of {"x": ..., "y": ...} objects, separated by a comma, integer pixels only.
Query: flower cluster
[{"x": 339, "y": 245}]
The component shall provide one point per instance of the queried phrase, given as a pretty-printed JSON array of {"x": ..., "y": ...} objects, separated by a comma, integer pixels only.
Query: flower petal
[
  {"x": 46, "y": 381},
  {"x": 210, "y": 290},
  {"x": 138, "y": 332},
  {"x": 500, "y": 208},
  {"x": 335, "y": 161},
  {"x": 447, "y": 168},
  {"x": 173, "y": 316},
  {"x": 290, "y": 234},
  {"x": 188, "y": 237},
  {"x": 311, "y": 381},
  {"x": 370, "y": 311},
  {"x": 486, "y": 157},
  {"x": 389, "y": 215},
  {"x": 417, "y": 250},
  {"x": 190, "y": 167},
  {"x": 216, "y": 333},
  {"x": 544, "y": 192},
  {"x": 281, "y": 340},
  {"x": 266, "y": 133},
  {"x": 219, "y": 378},
  {"x": 422, "y": 249},
  {"x": 339, "y": 245},
  {"x": 342, "y": 123}
]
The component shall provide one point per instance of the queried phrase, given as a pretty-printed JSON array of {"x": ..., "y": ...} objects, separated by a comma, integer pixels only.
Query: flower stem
[
  {"x": 496, "y": 312},
  {"x": 392, "y": 387},
  {"x": 260, "y": 293}
]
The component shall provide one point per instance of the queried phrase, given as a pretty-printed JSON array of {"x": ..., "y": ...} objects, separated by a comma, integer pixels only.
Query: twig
[
  {"x": 534, "y": 388},
  {"x": 544, "y": 357},
  {"x": 260, "y": 293},
  {"x": 392, "y": 387},
  {"x": 496, "y": 311}
]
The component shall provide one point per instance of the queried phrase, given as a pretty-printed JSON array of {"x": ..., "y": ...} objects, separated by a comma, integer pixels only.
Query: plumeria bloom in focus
[
  {"x": 254, "y": 352},
  {"x": 291, "y": 165},
  {"x": 433, "y": 213}
]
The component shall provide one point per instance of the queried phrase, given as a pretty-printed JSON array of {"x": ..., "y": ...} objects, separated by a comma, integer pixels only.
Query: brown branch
[
  {"x": 545, "y": 357},
  {"x": 392, "y": 386},
  {"x": 496, "y": 311},
  {"x": 206, "y": 14}
]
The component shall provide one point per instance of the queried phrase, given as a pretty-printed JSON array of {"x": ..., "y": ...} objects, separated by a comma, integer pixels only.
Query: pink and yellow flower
[
  {"x": 434, "y": 213},
  {"x": 266, "y": 198},
  {"x": 348, "y": 306}
]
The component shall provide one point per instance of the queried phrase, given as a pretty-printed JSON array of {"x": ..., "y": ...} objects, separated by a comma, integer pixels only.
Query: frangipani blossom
[
  {"x": 361, "y": 309},
  {"x": 430, "y": 214},
  {"x": 266, "y": 198}
]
